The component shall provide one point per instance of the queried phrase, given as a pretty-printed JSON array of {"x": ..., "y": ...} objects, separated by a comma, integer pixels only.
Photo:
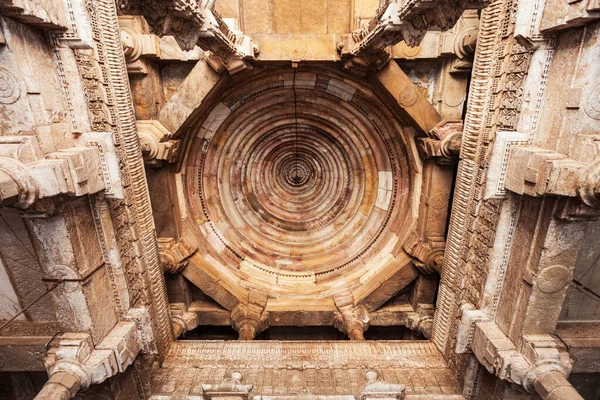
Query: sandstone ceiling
[{"x": 303, "y": 182}]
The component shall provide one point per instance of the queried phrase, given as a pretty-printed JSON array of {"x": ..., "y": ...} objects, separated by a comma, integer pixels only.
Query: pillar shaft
[{"x": 554, "y": 386}]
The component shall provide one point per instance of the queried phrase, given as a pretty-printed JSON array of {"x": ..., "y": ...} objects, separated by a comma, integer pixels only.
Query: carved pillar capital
[
  {"x": 17, "y": 185},
  {"x": 537, "y": 366},
  {"x": 250, "y": 319},
  {"x": 174, "y": 254},
  {"x": 428, "y": 258},
  {"x": 183, "y": 320},
  {"x": 76, "y": 359},
  {"x": 536, "y": 172},
  {"x": 588, "y": 185},
  {"x": 443, "y": 142},
  {"x": 49, "y": 161},
  {"x": 156, "y": 143},
  {"x": 350, "y": 319},
  {"x": 421, "y": 320},
  {"x": 138, "y": 45}
]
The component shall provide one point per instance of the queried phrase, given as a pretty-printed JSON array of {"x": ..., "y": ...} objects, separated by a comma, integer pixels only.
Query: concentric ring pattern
[{"x": 300, "y": 176}]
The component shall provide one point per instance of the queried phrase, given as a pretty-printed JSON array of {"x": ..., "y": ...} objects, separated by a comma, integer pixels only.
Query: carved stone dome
[{"x": 301, "y": 178}]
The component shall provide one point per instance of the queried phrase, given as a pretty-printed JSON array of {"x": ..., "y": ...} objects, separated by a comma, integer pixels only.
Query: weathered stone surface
[
  {"x": 307, "y": 188},
  {"x": 301, "y": 368}
]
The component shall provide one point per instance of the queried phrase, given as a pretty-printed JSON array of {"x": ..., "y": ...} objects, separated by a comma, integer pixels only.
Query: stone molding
[{"x": 105, "y": 82}]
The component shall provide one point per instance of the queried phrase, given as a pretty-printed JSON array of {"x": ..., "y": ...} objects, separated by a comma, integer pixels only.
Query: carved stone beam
[
  {"x": 350, "y": 319},
  {"x": 443, "y": 142},
  {"x": 378, "y": 389},
  {"x": 74, "y": 363},
  {"x": 395, "y": 21},
  {"x": 194, "y": 24},
  {"x": 419, "y": 319},
  {"x": 251, "y": 318},
  {"x": 409, "y": 98},
  {"x": 174, "y": 254},
  {"x": 539, "y": 172},
  {"x": 229, "y": 389},
  {"x": 541, "y": 366},
  {"x": 32, "y": 169},
  {"x": 156, "y": 143}
]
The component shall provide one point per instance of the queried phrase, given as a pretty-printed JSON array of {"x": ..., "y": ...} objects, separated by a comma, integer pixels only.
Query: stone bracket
[
  {"x": 539, "y": 355},
  {"x": 395, "y": 22},
  {"x": 534, "y": 171},
  {"x": 75, "y": 354},
  {"x": 193, "y": 24},
  {"x": 42, "y": 165},
  {"x": 156, "y": 143}
]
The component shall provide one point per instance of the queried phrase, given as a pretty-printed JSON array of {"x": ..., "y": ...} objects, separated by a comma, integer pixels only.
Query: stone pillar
[
  {"x": 60, "y": 386},
  {"x": 350, "y": 319},
  {"x": 250, "y": 319},
  {"x": 554, "y": 386}
]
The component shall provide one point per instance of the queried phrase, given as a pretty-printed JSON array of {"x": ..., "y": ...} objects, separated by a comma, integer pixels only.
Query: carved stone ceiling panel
[
  {"x": 305, "y": 368},
  {"x": 301, "y": 182}
]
